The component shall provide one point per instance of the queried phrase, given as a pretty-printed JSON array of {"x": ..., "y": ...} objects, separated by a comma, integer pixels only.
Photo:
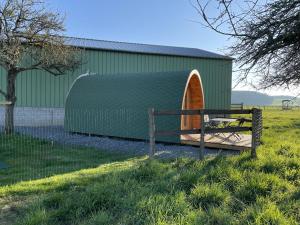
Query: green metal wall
[{"x": 40, "y": 89}]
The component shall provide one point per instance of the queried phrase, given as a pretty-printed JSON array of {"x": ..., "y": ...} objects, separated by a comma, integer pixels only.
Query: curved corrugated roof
[
  {"x": 143, "y": 48},
  {"x": 117, "y": 105}
]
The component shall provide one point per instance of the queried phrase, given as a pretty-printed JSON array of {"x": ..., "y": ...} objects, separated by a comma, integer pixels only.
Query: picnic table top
[{"x": 226, "y": 120}]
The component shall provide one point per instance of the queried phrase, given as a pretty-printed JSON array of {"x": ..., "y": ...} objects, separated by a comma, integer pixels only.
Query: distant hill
[{"x": 257, "y": 98}]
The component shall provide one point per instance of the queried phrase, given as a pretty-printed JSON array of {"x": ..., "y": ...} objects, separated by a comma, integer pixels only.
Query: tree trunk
[
  {"x": 11, "y": 100},
  {"x": 9, "y": 119}
]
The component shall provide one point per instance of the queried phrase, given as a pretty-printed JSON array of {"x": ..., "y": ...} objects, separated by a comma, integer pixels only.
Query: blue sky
[
  {"x": 165, "y": 22},
  {"x": 162, "y": 22}
]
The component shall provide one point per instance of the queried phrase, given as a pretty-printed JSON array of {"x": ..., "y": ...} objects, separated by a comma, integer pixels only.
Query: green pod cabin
[{"x": 117, "y": 105}]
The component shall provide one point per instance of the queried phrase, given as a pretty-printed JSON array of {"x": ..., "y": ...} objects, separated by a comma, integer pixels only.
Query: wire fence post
[
  {"x": 151, "y": 132},
  {"x": 256, "y": 130},
  {"x": 202, "y": 144}
]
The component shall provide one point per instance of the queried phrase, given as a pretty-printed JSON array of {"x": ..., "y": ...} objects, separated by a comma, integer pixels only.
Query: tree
[
  {"x": 30, "y": 40},
  {"x": 266, "y": 37}
]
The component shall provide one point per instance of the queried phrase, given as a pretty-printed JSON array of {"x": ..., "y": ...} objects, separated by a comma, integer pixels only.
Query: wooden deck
[{"x": 219, "y": 141}]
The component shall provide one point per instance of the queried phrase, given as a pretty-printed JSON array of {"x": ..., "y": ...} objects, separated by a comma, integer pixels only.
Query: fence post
[
  {"x": 256, "y": 130},
  {"x": 151, "y": 132},
  {"x": 201, "y": 151}
]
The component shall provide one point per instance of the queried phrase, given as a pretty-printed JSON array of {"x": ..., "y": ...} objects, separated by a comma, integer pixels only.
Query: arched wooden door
[{"x": 193, "y": 99}]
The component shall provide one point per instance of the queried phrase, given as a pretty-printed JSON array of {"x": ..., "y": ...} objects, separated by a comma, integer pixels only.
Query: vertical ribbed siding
[
  {"x": 123, "y": 113},
  {"x": 40, "y": 89}
]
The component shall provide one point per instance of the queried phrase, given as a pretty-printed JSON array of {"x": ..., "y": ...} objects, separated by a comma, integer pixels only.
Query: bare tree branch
[
  {"x": 30, "y": 39},
  {"x": 266, "y": 34},
  {"x": 26, "y": 25}
]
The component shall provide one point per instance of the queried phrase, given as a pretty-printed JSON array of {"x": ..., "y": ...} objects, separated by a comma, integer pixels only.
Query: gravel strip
[{"x": 138, "y": 148}]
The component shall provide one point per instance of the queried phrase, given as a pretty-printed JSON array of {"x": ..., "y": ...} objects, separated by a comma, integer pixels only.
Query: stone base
[{"x": 27, "y": 116}]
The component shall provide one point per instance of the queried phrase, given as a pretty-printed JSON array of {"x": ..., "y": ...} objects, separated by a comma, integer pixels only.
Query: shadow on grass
[{"x": 29, "y": 159}]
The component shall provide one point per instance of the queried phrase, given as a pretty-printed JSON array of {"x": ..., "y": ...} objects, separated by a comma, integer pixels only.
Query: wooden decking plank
[{"x": 222, "y": 141}]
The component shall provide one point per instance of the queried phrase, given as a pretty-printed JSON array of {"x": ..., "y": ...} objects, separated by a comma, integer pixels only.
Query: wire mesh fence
[
  {"x": 44, "y": 144},
  {"x": 40, "y": 146},
  {"x": 51, "y": 141},
  {"x": 270, "y": 107}
]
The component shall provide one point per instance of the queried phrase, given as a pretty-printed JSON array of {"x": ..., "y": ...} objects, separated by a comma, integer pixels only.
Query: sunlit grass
[{"x": 109, "y": 189}]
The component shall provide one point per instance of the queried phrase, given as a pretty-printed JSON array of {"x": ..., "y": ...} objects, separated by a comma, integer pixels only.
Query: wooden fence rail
[
  {"x": 237, "y": 105},
  {"x": 198, "y": 131},
  {"x": 198, "y": 112},
  {"x": 255, "y": 128}
]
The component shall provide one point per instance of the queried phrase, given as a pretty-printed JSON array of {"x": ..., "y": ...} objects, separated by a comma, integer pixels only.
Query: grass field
[{"x": 91, "y": 187}]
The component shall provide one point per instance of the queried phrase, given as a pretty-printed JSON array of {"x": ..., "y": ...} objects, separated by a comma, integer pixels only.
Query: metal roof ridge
[
  {"x": 136, "y": 43},
  {"x": 217, "y": 55}
]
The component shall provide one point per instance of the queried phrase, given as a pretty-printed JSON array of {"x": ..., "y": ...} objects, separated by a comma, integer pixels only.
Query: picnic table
[{"x": 225, "y": 122}]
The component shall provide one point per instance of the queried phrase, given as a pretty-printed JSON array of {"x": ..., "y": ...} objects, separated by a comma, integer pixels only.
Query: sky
[{"x": 160, "y": 22}]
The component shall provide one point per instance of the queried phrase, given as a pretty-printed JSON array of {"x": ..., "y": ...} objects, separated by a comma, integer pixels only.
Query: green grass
[
  {"x": 101, "y": 188},
  {"x": 30, "y": 158}
]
